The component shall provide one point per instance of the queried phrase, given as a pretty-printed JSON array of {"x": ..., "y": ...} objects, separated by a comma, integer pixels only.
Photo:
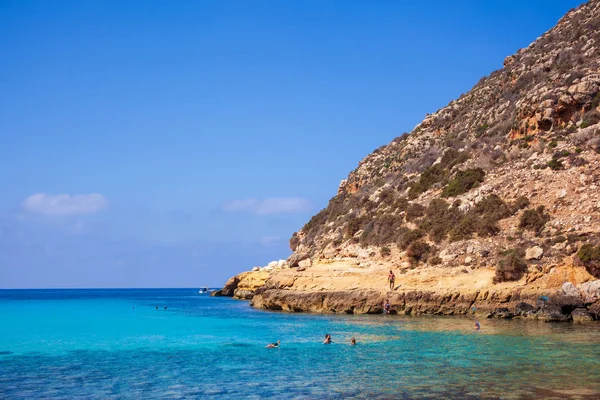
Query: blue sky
[{"x": 174, "y": 144}]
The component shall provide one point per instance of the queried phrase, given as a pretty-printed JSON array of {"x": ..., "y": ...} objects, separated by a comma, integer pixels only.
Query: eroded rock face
[
  {"x": 552, "y": 313},
  {"x": 244, "y": 285},
  {"x": 413, "y": 302},
  {"x": 581, "y": 315},
  {"x": 591, "y": 291},
  {"x": 229, "y": 288}
]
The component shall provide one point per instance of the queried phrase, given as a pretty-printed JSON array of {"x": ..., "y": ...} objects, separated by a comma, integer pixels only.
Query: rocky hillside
[
  {"x": 501, "y": 184},
  {"x": 482, "y": 167}
]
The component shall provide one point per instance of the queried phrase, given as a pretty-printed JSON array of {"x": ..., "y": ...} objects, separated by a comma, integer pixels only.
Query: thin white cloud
[
  {"x": 64, "y": 204},
  {"x": 241, "y": 205},
  {"x": 269, "y": 240},
  {"x": 272, "y": 205}
]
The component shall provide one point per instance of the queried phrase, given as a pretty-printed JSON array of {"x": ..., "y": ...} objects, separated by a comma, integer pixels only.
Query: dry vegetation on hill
[{"x": 515, "y": 159}]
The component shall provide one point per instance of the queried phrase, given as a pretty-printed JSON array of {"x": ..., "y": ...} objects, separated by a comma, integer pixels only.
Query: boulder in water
[{"x": 581, "y": 315}]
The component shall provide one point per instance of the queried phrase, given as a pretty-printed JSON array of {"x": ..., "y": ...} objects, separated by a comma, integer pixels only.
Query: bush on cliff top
[
  {"x": 590, "y": 257},
  {"x": 294, "y": 241},
  {"x": 510, "y": 266}
]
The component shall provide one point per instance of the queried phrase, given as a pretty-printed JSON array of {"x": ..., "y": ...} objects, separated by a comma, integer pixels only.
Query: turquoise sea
[{"x": 103, "y": 344}]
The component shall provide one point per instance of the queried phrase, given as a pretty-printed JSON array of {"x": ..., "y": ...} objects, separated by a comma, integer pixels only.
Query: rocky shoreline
[
  {"x": 506, "y": 305},
  {"x": 332, "y": 288}
]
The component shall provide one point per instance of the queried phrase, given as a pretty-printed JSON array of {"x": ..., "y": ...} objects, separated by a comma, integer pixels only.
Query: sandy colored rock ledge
[{"x": 345, "y": 287}]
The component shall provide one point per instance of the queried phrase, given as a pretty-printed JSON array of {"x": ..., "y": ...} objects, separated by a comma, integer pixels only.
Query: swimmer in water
[
  {"x": 327, "y": 339},
  {"x": 352, "y": 341},
  {"x": 274, "y": 345}
]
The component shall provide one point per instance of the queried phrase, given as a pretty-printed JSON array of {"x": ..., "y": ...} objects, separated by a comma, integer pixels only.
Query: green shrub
[
  {"x": 313, "y": 226},
  {"x": 437, "y": 173},
  {"x": 427, "y": 179},
  {"x": 576, "y": 161},
  {"x": 382, "y": 229},
  {"x": 337, "y": 241},
  {"x": 435, "y": 260},
  {"x": 510, "y": 266},
  {"x": 487, "y": 226},
  {"x": 453, "y": 157},
  {"x": 439, "y": 219},
  {"x": 465, "y": 228},
  {"x": 418, "y": 251},
  {"x": 352, "y": 226},
  {"x": 555, "y": 164},
  {"x": 561, "y": 154},
  {"x": 493, "y": 207},
  {"x": 480, "y": 130},
  {"x": 463, "y": 182},
  {"x": 386, "y": 197},
  {"x": 414, "y": 211},
  {"x": 552, "y": 144},
  {"x": 590, "y": 257},
  {"x": 409, "y": 236},
  {"x": 400, "y": 204},
  {"x": 520, "y": 203},
  {"x": 385, "y": 251},
  {"x": 364, "y": 237},
  {"x": 534, "y": 220}
]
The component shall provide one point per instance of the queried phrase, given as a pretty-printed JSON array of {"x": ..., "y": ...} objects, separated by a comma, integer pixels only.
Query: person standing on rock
[{"x": 391, "y": 279}]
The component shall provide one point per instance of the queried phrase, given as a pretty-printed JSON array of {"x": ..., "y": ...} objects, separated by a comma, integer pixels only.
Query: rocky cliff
[{"x": 490, "y": 204}]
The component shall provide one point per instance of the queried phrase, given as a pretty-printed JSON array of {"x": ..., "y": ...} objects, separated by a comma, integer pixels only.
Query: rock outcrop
[
  {"x": 490, "y": 205},
  {"x": 243, "y": 286},
  {"x": 346, "y": 287}
]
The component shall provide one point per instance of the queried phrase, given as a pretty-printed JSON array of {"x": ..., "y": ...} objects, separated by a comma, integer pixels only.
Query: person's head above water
[{"x": 353, "y": 340}]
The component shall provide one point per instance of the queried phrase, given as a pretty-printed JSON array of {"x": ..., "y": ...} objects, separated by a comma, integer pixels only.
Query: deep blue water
[{"x": 115, "y": 344}]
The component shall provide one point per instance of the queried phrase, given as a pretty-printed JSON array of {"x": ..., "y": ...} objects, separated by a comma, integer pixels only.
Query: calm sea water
[{"x": 115, "y": 344}]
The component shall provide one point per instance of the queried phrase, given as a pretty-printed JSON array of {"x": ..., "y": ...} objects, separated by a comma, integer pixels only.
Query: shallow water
[{"x": 115, "y": 344}]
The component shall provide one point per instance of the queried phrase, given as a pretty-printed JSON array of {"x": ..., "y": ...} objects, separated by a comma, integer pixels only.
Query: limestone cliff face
[{"x": 501, "y": 183}]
